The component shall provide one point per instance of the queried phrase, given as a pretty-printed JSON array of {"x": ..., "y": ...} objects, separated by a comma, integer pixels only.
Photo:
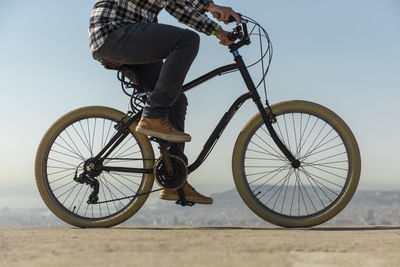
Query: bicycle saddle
[{"x": 110, "y": 65}]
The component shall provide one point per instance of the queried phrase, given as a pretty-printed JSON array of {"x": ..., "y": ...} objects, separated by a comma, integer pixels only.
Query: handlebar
[
  {"x": 240, "y": 32},
  {"x": 230, "y": 19},
  {"x": 237, "y": 33}
]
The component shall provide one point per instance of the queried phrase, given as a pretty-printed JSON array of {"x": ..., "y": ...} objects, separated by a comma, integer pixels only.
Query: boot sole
[
  {"x": 188, "y": 198},
  {"x": 167, "y": 137}
]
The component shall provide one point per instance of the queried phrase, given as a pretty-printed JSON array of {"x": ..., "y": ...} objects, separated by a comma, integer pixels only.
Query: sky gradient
[{"x": 341, "y": 54}]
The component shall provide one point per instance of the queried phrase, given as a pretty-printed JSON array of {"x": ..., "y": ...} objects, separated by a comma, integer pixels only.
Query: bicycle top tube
[{"x": 238, "y": 33}]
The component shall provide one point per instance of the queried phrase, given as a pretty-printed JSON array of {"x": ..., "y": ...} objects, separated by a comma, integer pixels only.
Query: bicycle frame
[{"x": 212, "y": 140}]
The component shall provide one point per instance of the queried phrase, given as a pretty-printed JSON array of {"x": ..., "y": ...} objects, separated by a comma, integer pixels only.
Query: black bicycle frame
[{"x": 215, "y": 135}]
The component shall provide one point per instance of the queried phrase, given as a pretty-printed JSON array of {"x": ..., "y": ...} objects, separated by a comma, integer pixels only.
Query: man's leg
[
  {"x": 143, "y": 43},
  {"x": 177, "y": 117},
  {"x": 148, "y": 74}
]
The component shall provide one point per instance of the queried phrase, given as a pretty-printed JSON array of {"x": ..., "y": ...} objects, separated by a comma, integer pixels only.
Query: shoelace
[{"x": 167, "y": 123}]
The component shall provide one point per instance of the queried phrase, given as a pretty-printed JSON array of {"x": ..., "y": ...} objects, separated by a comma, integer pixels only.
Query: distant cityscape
[{"x": 366, "y": 208}]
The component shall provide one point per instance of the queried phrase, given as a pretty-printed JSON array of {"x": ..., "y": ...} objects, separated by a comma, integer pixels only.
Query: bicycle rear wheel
[
  {"x": 311, "y": 194},
  {"x": 69, "y": 142}
]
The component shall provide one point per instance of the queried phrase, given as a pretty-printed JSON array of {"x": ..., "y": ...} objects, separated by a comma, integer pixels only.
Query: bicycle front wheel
[
  {"x": 297, "y": 197},
  {"x": 68, "y": 144}
]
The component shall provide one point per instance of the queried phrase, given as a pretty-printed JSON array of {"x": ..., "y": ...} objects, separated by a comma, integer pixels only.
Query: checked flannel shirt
[{"x": 108, "y": 15}]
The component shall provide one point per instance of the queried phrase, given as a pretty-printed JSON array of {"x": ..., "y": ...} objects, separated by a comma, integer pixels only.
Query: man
[{"x": 126, "y": 32}]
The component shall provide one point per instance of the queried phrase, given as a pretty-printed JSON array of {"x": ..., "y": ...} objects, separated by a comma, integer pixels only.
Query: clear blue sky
[{"x": 343, "y": 54}]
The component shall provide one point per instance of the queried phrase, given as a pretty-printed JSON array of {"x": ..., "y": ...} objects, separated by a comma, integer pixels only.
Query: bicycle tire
[
  {"x": 71, "y": 140},
  {"x": 266, "y": 193}
]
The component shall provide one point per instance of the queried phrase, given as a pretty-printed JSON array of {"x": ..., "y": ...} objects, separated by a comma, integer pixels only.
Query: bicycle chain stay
[{"x": 127, "y": 159}]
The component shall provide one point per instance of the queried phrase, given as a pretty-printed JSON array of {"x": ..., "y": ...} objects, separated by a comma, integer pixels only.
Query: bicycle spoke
[
  {"x": 63, "y": 177},
  {"x": 72, "y": 203},
  {"x": 78, "y": 142},
  {"x": 83, "y": 198},
  {"x": 295, "y": 135},
  {"x": 294, "y": 193},
  {"x": 312, "y": 187},
  {"x": 94, "y": 134},
  {"x": 63, "y": 170},
  {"x": 127, "y": 179},
  {"x": 104, "y": 195},
  {"x": 326, "y": 166},
  {"x": 64, "y": 154},
  {"x": 281, "y": 136},
  {"x": 279, "y": 188},
  {"x": 84, "y": 142},
  {"x": 318, "y": 185},
  {"x": 109, "y": 191},
  {"x": 269, "y": 154},
  {"x": 127, "y": 187},
  {"x": 77, "y": 151},
  {"x": 286, "y": 130},
  {"x": 70, "y": 192},
  {"x": 268, "y": 173},
  {"x": 63, "y": 162},
  {"x": 280, "y": 154},
  {"x": 312, "y": 176},
  {"x": 277, "y": 155},
  {"x": 309, "y": 133},
  {"x": 315, "y": 139},
  {"x": 277, "y": 172}
]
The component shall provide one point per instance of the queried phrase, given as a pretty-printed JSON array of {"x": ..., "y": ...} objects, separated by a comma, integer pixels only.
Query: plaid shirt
[{"x": 108, "y": 15}]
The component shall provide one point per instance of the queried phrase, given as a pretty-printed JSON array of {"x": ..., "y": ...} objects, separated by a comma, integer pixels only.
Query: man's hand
[
  {"x": 222, "y": 13},
  {"x": 223, "y": 37}
]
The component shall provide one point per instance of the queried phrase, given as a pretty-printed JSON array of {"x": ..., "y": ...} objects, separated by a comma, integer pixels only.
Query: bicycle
[{"x": 295, "y": 163}]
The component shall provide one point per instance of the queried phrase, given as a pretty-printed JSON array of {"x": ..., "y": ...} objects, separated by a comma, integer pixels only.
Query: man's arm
[
  {"x": 191, "y": 17},
  {"x": 198, "y": 21},
  {"x": 199, "y": 5},
  {"x": 222, "y": 13}
]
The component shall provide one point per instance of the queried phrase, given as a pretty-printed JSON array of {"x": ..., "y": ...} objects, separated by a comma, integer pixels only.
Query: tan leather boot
[
  {"x": 190, "y": 195},
  {"x": 161, "y": 128}
]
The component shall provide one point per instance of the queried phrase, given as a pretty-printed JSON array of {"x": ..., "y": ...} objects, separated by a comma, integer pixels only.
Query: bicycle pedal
[{"x": 184, "y": 203}]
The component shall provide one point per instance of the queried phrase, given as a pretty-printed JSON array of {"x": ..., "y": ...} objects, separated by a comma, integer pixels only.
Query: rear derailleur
[{"x": 88, "y": 177}]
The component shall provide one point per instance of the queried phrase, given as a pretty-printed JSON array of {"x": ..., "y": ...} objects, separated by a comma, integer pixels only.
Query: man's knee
[
  {"x": 179, "y": 107},
  {"x": 192, "y": 39},
  {"x": 181, "y": 103}
]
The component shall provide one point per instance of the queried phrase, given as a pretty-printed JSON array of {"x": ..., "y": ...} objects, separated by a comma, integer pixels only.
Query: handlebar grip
[{"x": 230, "y": 19}]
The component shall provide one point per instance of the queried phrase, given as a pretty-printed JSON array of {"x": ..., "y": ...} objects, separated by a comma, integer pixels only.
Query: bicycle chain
[
  {"x": 127, "y": 159},
  {"x": 122, "y": 198}
]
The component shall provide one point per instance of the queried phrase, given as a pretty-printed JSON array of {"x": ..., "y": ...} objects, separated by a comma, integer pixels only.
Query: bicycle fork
[{"x": 267, "y": 118}]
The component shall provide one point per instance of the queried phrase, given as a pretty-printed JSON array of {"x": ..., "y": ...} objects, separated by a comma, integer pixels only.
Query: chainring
[{"x": 177, "y": 180}]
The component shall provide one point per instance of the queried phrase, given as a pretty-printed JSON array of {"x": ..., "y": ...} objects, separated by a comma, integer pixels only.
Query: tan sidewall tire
[
  {"x": 40, "y": 168},
  {"x": 268, "y": 215}
]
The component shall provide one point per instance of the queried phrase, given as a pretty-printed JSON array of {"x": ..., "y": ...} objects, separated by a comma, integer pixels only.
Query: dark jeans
[{"x": 143, "y": 46}]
